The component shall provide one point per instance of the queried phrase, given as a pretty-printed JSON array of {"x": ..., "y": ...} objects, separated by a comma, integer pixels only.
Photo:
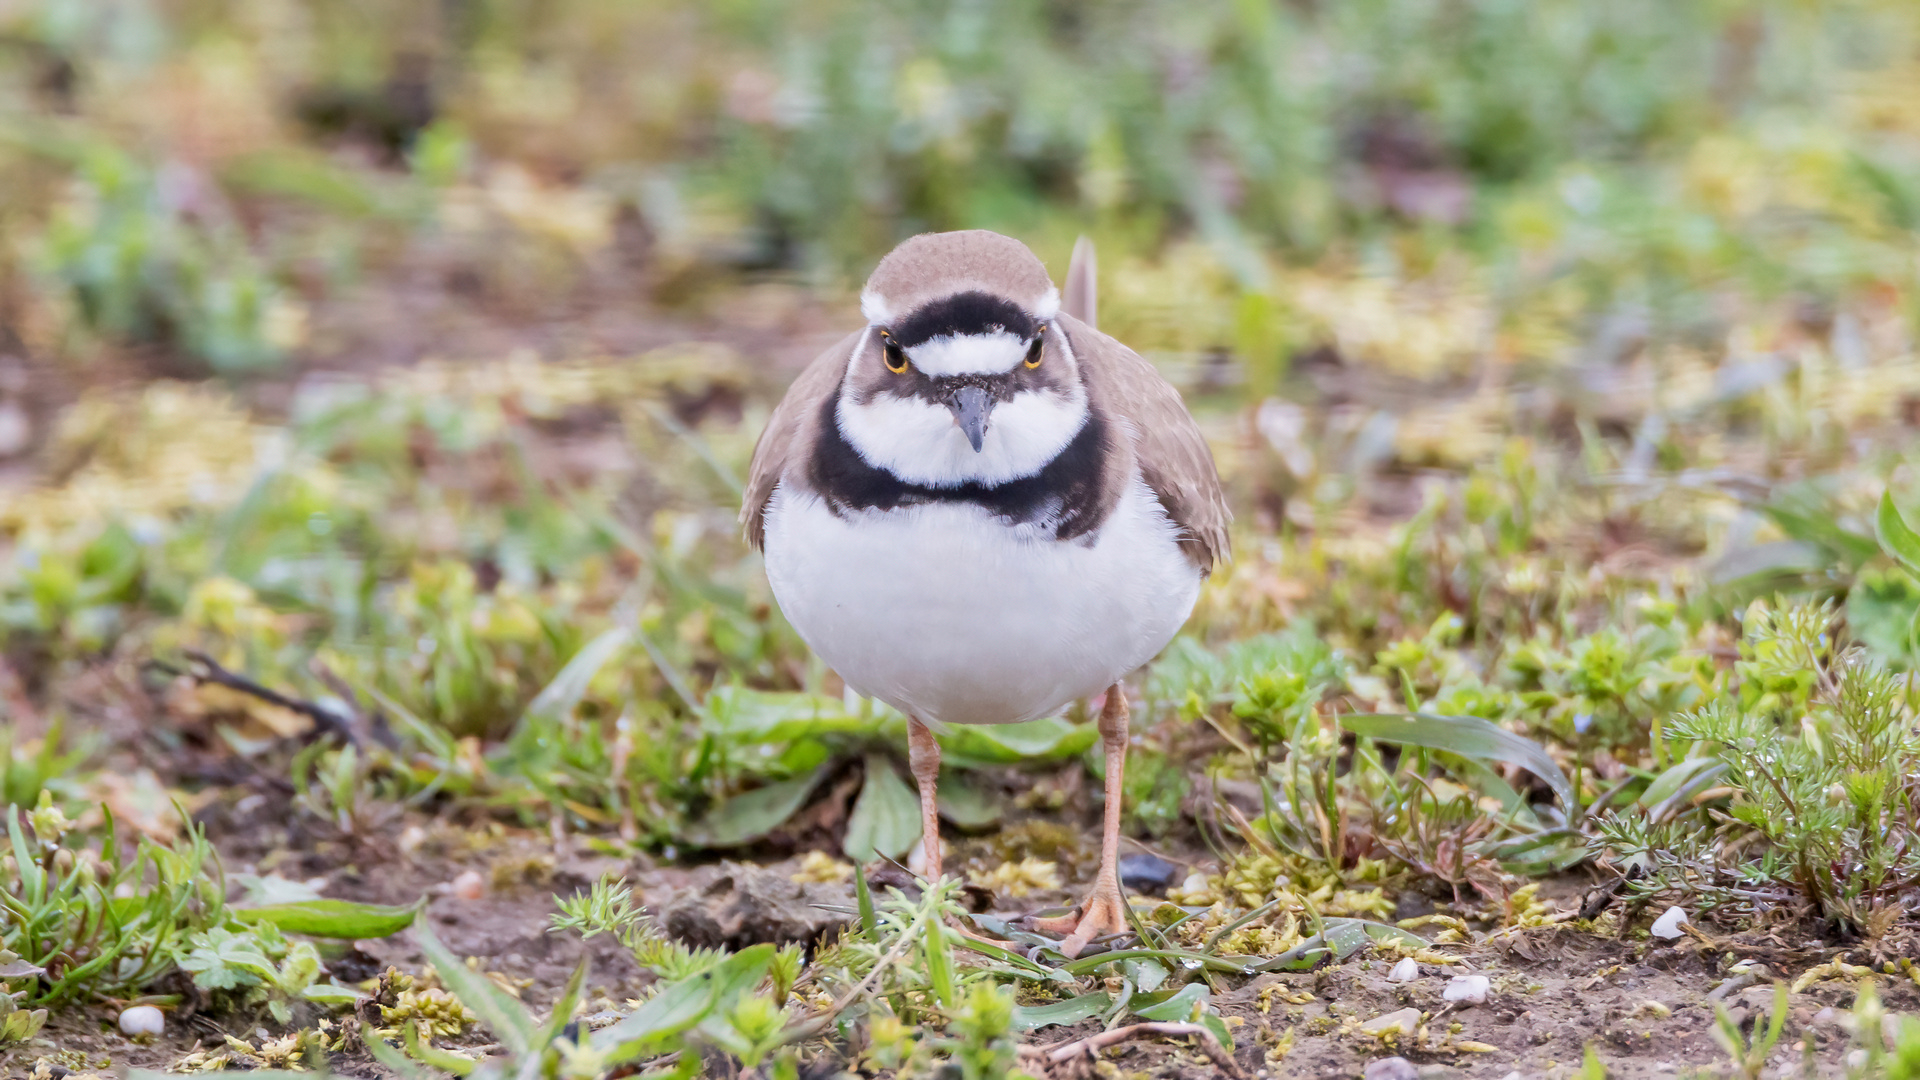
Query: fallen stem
[{"x": 1058, "y": 1054}]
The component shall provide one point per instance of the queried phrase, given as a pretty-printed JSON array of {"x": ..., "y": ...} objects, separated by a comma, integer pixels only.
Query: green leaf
[
  {"x": 1146, "y": 975},
  {"x": 1178, "y": 1008},
  {"x": 1071, "y": 1011},
  {"x": 966, "y": 803},
  {"x": 330, "y": 994},
  {"x": 740, "y": 973},
  {"x": 333, "y": 918},
  {"x": 421, "y": 1049},
  {"x": 1691, "y": 774},
  {"x": 383, "y": 1052},
  {"x": 886, "y": 816},
  {"x": 1049, "y": 739},
  {"x": 760, "y": 716},
  {"x": 1896, "y": 538},
  {"x": 558, "y": 698},
  {"x": 869, "y": 920},
  {"x": 1087, "y": 964},
  {"x": 564, "y": 1005},
  {"x": 499, "y": 1010},
  {"x": 1468, "y": 736},
  {"x": 665, "y": 1015},
  {"x": 746, "y": 818}
]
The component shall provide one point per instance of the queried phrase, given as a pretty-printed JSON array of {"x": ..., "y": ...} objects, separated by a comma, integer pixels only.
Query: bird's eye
[
  {"x": 892, "y": 354},
  {"x": 1033, "y": 350}
]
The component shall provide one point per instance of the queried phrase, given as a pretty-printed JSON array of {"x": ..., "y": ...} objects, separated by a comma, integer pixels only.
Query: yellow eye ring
[
  {"x": 1034, "y": 350},
  {"x": 889, "y": 353}
]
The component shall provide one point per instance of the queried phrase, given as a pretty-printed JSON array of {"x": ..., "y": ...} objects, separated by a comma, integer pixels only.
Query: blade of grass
[{"x": 1468, "y": 736}]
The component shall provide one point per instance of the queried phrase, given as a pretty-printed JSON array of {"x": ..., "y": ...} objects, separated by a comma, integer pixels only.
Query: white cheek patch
[
  {"x": 968, "y": 354},
  {"x": 917, "y": 441}
]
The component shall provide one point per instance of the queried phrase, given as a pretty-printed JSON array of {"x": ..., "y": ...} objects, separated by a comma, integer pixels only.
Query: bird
[{"x": 979, "y": 509}]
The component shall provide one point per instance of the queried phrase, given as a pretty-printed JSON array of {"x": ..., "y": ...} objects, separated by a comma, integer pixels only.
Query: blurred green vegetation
[{"x": 198, "y": 174}]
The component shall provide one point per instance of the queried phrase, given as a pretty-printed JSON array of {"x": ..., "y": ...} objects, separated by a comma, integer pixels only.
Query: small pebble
[
  {"x": 1149, "y": 874},
  {"x": 1405, "y": 971},
  {"x": 1468, "y": 989},
  {"x": 139, "y": 1020},
  {"x": 1393, "y": 1068},
  {"x": 470, "y": 885},
  {"x": 1827, "y": 1017},
  {"x": 1403, "y": 1021},
  {"x": 1667, "y": 926}
]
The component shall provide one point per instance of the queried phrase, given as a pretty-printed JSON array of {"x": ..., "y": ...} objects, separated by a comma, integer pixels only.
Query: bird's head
[{"x": 963, "y": 375}]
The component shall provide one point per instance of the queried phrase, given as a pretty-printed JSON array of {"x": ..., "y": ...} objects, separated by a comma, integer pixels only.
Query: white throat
[{"x": 917, "y": 441}]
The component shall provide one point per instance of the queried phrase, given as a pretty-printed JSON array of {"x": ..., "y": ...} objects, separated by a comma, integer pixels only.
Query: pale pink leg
[
  {"x": 1105, "y": 909},
  {"x": 923, "y": 754}
]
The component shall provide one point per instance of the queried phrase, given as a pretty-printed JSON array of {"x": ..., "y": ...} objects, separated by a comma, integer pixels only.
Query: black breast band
[{"x": 1066, "y": 494}]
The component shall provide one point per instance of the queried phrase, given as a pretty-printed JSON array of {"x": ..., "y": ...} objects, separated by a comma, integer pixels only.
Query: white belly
[{"x": 950, "y": 615}]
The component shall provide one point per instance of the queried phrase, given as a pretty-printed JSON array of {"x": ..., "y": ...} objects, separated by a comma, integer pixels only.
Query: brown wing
[
  {"x": 1173, "y": 456},
  {"x": 790, "y": 431}
]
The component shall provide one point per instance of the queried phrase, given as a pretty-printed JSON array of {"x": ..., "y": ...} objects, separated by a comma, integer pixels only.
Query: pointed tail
[{"x": 1080, "y": 300}]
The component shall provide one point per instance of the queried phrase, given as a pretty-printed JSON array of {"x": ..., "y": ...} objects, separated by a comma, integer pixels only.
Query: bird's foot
[{"x": 1103, "y": 912}]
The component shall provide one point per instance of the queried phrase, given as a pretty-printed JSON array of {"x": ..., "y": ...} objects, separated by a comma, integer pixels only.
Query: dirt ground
[{"x": 1646, "y": 1005}]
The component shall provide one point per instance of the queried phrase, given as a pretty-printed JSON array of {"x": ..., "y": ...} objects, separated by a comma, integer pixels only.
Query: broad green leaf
[
  {"x": 886, "y": 816},
  {"x": 1896, "y": 537},
  {"x": 333, "y": 918},
  {"x": 966, "y": 803},
  {"x": 558, "y": 697},
  {"x": 668, "y": 1013},
  {"x": 499, "y": 1010},
  {"x": 1883, "y": 607},
  {"x": 1071, "y": 1011},
  {"x": 1776, "y": 558},
  {"x": 330, "y": 994},
  {"x": 740, "y": 973},
  {"x": 1670, "y": 782},
  {"x": 745, "y": 716},
  {"x": 1049, "y": 739},
  {"x": 1468, "y": 736},
  {"x": 1804, "y": 513},
  {"x": 1178, "y": 1008},
  {"x": 746, "y": 818},
  {"x": 1146, "y": 975}
]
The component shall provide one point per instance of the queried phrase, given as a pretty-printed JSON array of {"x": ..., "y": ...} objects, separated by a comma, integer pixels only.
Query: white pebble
[
  {"x": 1667, "y": 926},
  {"x": 1393, "y": 1068},
  {"x": 1403, "y": 1021},
  {"x": 470, "y": 886},
  {"x": 1471, "y": 989},
  {"x": 138, "y": 1020},
  {"x": 1405, "y": 971}
]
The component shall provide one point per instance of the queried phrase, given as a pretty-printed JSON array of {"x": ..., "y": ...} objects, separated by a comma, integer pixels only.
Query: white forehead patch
[
  {"x": 875, "y": 309},
  {"x": 969, "y": 354}
]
